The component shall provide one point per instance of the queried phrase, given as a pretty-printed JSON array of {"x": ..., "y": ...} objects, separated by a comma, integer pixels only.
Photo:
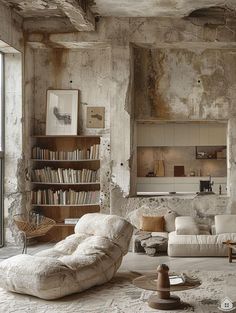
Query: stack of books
[
  {"x": 68, "y": 176},
  {"x": 64, "y": 197},
  {"x": 78, "y": 154},
  {"x": 71, "y": 221}
]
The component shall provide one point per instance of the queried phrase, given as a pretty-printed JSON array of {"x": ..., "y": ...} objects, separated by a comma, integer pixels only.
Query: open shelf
[
  {"x": 66, "y": 136},
  {"x": 66, "y": 205},
  {"x": 61, "y": 149},
  {"x": 83, "y": 160},
  {"x": 66, "y": 184}
]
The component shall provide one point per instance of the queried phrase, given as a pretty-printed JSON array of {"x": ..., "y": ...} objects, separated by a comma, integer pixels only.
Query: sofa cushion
[
  {"x": 225, "y": 223},
  {"x": 186, "y": 225},
  {"x": 170, "y": 217},
  {"x": 198, "y": 245},
  {"x": 112, "y": 227},
  {"x": 152, "y": 223}
]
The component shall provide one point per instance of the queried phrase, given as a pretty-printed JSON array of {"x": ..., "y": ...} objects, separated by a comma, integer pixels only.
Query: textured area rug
[{"x": 121, "y": 296}]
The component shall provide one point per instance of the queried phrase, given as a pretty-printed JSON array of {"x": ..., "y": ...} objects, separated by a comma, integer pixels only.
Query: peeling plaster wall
[
  {"x": 171, "y": 56},
  {"x": 178, "y": 84},
  {"x": 86, "y": 70},
  {"x": 10, "y": 28},
  {"x": 11, "y": 36},
  {"x": 14, "y": 166}
]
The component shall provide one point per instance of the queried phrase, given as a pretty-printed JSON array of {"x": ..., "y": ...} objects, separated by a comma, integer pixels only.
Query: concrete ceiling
[
  {"x": 155, "y": 8},
  {"x": 122, "y": 8},
  {"x": 79, "y": 15}
]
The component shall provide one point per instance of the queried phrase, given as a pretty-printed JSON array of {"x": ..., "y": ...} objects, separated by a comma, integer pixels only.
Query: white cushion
[
  {"x": 225, "y": 224},
  {"x": 186, "y": 225},
  {"x": 170, "y": 217},
  {"x": 112, "y": 227},
  {"x": 87, "y": 258},
  {"x": 198, "y": 245}
]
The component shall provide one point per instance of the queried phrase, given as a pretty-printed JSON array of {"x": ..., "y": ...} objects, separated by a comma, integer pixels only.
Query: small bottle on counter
[{"x": 220, "y": 190}]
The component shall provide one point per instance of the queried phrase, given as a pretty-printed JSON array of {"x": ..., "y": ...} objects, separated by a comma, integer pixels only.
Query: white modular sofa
[
  {"x": 188, "y": 240},
  {"x": 87, "y": 258}
]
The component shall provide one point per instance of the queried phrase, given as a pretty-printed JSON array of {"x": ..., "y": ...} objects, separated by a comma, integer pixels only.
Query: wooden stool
[
  {"x": 231, "y": 245},
  {"x": 163, "y": 300}
]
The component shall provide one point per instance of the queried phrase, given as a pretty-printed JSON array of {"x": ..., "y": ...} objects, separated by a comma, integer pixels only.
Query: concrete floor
[{"x": 142, "y": 263}]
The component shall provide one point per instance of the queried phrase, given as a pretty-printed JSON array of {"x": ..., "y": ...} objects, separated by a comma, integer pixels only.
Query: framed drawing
[
  {"x": 62, "y": 112},
  {"x": 95, "y": 117}
]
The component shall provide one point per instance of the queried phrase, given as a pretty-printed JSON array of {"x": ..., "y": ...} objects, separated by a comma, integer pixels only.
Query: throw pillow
[
  {"x": 186, "y": 225},
  {"x": 170, "y": 217},
  {"x": 152, "y": 223},
  {"x": 135, "y": 216}
]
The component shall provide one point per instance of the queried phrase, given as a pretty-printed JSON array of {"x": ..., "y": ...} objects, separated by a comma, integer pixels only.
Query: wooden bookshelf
[{"x": 58, "y": 212}]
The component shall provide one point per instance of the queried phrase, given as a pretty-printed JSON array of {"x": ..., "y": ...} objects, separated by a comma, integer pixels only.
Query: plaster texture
[
  {"x": 86, "y": 70},
  {"x": 10, "y": 30},
  {"x": 145, "y": 69},
  {"x": 14, "y": 183}
]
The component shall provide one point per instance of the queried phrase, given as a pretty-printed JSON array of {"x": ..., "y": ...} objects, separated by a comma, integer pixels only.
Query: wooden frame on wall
[{"x": 62, "y": 112}]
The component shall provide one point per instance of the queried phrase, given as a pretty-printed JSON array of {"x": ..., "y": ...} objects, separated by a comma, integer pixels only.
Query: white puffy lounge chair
[{"x": 87, "y": 258}]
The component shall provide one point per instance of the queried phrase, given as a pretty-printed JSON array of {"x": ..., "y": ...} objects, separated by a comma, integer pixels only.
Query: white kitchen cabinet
[
  {"x": 178, "y": 184},
  {"x": 181, "y": 134}
]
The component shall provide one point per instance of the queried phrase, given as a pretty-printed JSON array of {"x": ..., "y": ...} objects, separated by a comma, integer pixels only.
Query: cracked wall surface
[
  {"x": 14, "y": 182},
  {"x": 181, "y": 84},
  {"x": 88, "y": 71},
  {"x": 185, "y": 71}
]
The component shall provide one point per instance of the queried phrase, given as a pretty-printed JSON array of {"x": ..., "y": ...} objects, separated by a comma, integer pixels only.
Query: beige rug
[{"x": 121, "y": 296}]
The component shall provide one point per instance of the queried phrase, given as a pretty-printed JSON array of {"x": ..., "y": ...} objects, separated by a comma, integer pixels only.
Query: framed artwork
[
  {"x": 62, "y": 112},
  {"x": 95, "y": 117}
]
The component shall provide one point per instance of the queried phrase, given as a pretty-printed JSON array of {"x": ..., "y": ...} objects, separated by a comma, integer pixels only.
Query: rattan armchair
[{"x": 32, "y": 226}]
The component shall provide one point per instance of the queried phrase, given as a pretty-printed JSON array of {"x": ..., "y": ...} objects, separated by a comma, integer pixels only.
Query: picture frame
[{"x": 62, "y": 112}]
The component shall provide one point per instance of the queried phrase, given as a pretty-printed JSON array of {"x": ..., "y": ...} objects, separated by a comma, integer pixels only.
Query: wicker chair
[{"x": 32, "y": 226}]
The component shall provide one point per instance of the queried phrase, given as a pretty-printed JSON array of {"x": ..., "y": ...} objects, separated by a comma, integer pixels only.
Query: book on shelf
[
  {"x": 91, "y": 153},
  {"x": 65, "y": 176},
  {"x": 64, "y": 197},
  {"x": 71, "y": 221}
]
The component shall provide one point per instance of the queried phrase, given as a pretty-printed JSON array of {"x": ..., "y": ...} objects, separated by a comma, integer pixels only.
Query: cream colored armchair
[{"x": 89, "y": 257}]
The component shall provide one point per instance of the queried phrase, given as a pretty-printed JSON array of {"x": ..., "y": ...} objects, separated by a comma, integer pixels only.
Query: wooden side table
[
  {"x": 231, "y": 245},
  {"x": 160, "y": 282}
]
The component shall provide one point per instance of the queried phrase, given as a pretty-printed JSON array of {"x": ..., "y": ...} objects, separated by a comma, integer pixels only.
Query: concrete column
[
  {"x": 14, "y": 167},
  {"x": 232, "y": 165},
  {"x": 120, "y": 123}
]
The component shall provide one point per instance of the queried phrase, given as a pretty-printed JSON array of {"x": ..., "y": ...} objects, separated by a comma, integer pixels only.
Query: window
[{"x": 1, "y": 147}]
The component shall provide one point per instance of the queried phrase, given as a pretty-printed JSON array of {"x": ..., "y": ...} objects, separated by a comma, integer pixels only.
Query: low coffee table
[
  {"x": 160, "y": 282},
  {"x": 231, "y": 246}
]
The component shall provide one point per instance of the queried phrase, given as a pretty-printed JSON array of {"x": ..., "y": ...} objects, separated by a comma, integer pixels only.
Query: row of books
[
  {"x": 71, "y": 221},
  {"x": 79, "y": 154},
  {"x": 61, "y": 175},
  {"x": 64, "y": 197}
]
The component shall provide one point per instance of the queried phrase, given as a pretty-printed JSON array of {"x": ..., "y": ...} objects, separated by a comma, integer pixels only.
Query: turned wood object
[
  {"x": 163, "y": 300},
  {"x": 163, "y": 280}
]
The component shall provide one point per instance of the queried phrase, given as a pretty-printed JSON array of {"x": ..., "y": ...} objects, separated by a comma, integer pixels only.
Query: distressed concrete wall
[
  {"x": 10, "y": 28},
  {"x": 14, "y": 166},
  {"x": 202, "y": 51},
  {"x": 86, "y": 70},
  {"x": 175, "y": 84}
]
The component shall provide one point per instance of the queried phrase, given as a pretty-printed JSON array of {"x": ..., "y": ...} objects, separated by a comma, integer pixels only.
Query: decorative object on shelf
[
  {"x": 95, "y": 117},
  {"x": 159, "y": 168},
  {"x": 179, "y": 171},
  {"x": 62, "y": 112},
  {"x": 32, "y": 225},
  {"x": 150, "y": 174},
  {"x": 211, "y": 152}
]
